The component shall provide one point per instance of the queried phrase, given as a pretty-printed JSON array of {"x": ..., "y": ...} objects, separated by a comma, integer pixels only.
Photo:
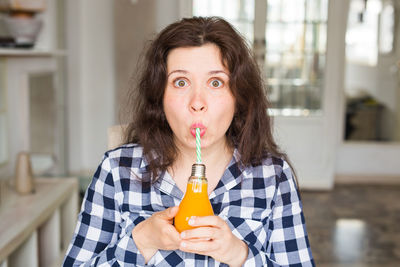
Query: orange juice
[{"x": 194, "y": 203}]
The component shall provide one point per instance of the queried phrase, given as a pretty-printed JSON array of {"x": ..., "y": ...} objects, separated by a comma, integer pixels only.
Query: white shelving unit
[
  {"x": 35, "y": 229},
  {"x": 13, "y": 52},
  {"x": 17, "y": 67}
]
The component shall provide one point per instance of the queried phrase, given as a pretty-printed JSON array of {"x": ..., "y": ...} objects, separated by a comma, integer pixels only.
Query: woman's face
[{"x": 197, "y": 95}]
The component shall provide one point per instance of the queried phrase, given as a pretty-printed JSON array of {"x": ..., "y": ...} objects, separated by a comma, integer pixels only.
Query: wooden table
[{"x": 35, "y": 229}]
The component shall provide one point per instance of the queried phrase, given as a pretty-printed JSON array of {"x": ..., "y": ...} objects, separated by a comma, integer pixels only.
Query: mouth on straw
[{"x": 202, "y": 131}]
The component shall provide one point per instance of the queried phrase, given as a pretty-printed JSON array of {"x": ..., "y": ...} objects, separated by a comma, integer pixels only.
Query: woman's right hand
[{"x": 157, "y": 232}]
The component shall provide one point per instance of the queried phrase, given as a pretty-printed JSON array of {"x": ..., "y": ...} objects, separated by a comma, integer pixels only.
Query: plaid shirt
[{"x": 260, "y": 204}]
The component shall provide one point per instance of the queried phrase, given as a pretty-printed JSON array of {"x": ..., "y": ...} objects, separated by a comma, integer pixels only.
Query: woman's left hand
[{"x": 214, "y": 238}]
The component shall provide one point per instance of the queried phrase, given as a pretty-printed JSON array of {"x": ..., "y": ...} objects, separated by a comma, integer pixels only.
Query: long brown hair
[{"x": 251, "y": 129}]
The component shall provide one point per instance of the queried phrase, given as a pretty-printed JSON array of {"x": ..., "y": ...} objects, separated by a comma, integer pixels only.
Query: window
[
  {"x": 295, "y": 54},
  {"x": 293, "y": 48},
  {"x": 387, "y": 28},
  {"x": 362, "y": 32},
  {"x": 240, "y": 13}
]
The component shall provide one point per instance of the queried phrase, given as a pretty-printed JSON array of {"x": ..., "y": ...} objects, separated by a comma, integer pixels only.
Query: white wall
[
  {"x": 91, "y": 82},
  {"x": 131, "y": 35},
  {"x": 100, "y": 67},
  {"x": 166, "y": 13},
  {"x": 368, "y": 159}
]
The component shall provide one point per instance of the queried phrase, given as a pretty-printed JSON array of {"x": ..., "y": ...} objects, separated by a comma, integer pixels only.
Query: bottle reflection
[{"x": 350, "y": 240}]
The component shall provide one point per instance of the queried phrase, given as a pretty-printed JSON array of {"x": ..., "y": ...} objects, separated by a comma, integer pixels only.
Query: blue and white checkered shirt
[{"x": 260, "y": 204}]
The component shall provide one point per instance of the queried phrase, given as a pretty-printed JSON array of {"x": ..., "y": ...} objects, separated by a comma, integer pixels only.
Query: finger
[
  {"x": 168, "y": 214},
  {"x": 203, "y": 247},
  {"x": 169, "y": 237},
  {"x": 174, "y": 235},
  {"x": 207, "y": 221},
  {"x": 199, "y": 239},
  {"x": 174, "y": 239},
  {"x": 205, "y": 233},
  {"x": 170, "y": 231}
]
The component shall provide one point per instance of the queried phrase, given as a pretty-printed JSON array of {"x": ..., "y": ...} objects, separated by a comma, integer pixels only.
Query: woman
[{"x": 198, "y": 73}]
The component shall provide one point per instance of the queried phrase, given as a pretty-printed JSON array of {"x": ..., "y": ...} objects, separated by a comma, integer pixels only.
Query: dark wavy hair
[{"x": 251, "y": 129}]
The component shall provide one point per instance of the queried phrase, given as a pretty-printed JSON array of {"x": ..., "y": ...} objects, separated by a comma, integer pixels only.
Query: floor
[{"x": 354, "y": 225}]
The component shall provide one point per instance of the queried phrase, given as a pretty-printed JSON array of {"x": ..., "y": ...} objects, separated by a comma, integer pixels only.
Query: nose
[{"x": 197, "y": 101}]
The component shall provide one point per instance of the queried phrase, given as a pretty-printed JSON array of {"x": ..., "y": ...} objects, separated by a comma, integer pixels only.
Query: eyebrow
[{"x": 210, "y": 72}]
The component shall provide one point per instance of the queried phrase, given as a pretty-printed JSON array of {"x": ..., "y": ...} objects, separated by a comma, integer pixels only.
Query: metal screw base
[{"x": 198, "y": 170}]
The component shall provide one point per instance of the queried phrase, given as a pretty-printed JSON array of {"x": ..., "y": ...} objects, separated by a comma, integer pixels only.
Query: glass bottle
[{"x": 196, "y": 201}]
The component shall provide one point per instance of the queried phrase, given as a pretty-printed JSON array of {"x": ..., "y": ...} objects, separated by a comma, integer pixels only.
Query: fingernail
[
  {"x": 191, "y": 221},
  {"x": 183, "y": 244},
  {"x": 183, "y": 234}
]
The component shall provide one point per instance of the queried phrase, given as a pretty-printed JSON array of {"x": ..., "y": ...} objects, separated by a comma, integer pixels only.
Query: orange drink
[{"x": 194, "y": 203}]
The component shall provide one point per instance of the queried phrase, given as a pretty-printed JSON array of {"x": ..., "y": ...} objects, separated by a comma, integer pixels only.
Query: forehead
[{"x": 207, "y": 57}]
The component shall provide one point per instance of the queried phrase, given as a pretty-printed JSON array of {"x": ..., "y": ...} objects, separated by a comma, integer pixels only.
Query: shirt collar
[
  {"x": 167, "y": 185},
  {"x": 232, "y": 176},
  {"x": 164, "y": 183}
]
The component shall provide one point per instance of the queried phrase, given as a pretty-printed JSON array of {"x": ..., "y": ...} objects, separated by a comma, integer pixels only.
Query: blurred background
[{"x": 332, "y": 70}]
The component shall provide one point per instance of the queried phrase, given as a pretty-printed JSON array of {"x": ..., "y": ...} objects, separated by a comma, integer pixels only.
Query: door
[
  {"x": 370, "y": 144},
  {"x": 300, "y": 46}
]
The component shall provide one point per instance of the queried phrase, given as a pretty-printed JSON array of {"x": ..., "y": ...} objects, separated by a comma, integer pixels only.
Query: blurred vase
[
  {"x": 24, "y": 30},
  {"x": 23, "y": 174}
]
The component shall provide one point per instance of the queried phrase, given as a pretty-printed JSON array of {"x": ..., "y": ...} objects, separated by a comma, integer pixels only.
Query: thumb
[{"x": 169, "y": 213}]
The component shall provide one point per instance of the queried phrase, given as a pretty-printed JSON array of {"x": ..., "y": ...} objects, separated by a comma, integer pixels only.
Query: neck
[{"x": 211, "y": 156}]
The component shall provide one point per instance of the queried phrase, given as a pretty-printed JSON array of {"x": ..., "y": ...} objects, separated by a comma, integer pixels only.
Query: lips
[{"x": 197, "y": 125}]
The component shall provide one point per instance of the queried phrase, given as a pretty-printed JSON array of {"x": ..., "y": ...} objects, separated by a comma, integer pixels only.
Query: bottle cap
[{"x": 198, "y": 170}]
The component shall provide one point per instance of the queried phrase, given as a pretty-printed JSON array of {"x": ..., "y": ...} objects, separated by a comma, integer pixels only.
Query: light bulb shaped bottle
[{"x": 196, "y": 201}]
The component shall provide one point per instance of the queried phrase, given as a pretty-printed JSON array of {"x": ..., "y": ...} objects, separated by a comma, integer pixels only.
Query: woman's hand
[
  {"x": 214, "y": 238},
  {"x": 157, "y": 232}
]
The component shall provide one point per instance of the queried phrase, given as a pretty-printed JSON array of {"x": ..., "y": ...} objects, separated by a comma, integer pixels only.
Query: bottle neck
[
  {"x": 197, "y": 183},
  {"x": 198, "y": 170}
]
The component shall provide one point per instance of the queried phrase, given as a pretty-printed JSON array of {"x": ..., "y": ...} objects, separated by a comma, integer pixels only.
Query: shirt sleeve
[
  {"x": 286, "y": 237},
  {"x": 98, "y": 238}
]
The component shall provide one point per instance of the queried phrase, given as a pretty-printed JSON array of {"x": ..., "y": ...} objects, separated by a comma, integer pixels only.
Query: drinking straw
[{"x": 198, "y": 146}]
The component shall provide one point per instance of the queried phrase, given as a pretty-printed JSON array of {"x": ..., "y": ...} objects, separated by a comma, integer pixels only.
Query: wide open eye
[
  {"x": 180, "y": 83},
  {"x": 215, "y": 83}
]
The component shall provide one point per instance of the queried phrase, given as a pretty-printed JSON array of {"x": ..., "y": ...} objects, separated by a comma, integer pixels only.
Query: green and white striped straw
[{"x": 198, "y": 146}]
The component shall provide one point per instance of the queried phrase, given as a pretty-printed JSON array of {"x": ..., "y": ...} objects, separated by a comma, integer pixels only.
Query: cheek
[
  {"x": 172, "y": 108},
  {"x": 226, "y": 112}
]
